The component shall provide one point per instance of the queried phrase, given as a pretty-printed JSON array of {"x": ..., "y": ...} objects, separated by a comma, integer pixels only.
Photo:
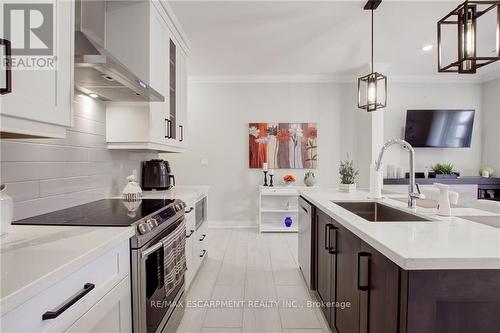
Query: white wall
[
  {"x": 44, "y": 175},
  {"x": 403, "y": 96},
  {"x": 491, "y": 125},
  {"x": 219, "y": 114},
  {"x": 218, "y": 119}
]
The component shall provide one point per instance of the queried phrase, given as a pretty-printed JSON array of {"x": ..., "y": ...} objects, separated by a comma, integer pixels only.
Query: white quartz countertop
[
  {"x": 190, "y": 194},
  {"x": 444, "y": 243},
  {"x": 32, "y": 258}
]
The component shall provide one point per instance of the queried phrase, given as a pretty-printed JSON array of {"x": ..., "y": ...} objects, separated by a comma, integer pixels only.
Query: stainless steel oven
[{"x": 153, "y": 309}]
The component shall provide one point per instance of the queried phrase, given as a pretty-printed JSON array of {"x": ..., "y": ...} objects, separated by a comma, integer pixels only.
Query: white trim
[
  {"x": 433, "y": 78},
  {"x": 232, "y": 224},
  {"x": 174, "y": 25}
]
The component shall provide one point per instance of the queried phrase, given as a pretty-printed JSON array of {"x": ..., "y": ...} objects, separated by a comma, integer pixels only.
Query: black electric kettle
[{"x": 156, "y": 175}]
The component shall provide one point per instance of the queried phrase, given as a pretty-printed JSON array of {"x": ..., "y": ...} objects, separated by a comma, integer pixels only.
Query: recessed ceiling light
[
  {"x": 427, "y": 48},
  {"x": 93, "y": 95}
]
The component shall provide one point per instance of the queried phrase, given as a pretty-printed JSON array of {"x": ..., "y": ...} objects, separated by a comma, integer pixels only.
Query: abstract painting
[{"x": 283, "y": 145}]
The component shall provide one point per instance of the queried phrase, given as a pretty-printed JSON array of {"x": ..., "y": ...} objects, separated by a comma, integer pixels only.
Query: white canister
[
  {"x": 391, "y": 171},
  {"x": 6, "y": 210}
]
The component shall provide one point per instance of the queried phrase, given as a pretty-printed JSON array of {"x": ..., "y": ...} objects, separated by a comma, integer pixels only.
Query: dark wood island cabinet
[{"x": 384, "y": 298}]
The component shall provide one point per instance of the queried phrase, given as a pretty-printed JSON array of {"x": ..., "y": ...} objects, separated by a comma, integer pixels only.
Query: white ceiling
[{"x": 331, "y": 38}]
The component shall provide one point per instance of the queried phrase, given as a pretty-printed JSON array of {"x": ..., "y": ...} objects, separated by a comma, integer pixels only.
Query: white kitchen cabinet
[
  {"x": 196, "y": 243},
  {"x": 190, "y": 241},
  {"x": 40, "y": 104},
  {"x": 111, "y": 314},
  {"x": 101, "y": 285},
  {"x": 157, "y": 126}
]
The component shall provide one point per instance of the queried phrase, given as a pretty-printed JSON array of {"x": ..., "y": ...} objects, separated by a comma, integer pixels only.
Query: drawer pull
[
  {"x": 189, "y": 211},
  {"x": 202, "y": 237},
  {"x": 202, "y": 254},
  {"x": 69, "y": 302},
  {"x": 190, "y": 233}
]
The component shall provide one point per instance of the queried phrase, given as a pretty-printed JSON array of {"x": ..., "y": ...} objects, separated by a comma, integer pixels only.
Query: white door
[
  {"x": 113, "y": 313},
  {"x": 181, "y": 97},
  {"x": 159, "y": 48},
  {"x": 43, "y": 94}
]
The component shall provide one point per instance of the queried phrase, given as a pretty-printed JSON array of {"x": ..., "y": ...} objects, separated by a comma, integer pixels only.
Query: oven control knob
[
  {"x": 144, "y": 228},
  {"x": 177, "y": 207},
  {"x": 152, "y": 223}
]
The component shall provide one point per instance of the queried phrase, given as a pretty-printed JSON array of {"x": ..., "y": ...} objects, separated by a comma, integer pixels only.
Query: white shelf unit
[{"x": 275, "y": 204}]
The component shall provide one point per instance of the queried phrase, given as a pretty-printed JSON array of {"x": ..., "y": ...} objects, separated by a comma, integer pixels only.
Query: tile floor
[{"x": 258, "y": 277}]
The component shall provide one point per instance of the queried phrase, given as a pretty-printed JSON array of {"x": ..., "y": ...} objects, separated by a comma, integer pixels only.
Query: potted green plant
[
  {"x": 348, "y": 176},
  {"x": 444, "y": 170}
]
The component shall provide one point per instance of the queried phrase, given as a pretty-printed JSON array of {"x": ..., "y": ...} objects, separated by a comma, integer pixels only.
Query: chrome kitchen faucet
[{"x": 413, "y": 188}]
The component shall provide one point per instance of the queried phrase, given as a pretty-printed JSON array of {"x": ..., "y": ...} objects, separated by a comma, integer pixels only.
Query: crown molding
[
  {"x": 271, "y": 79},
  {"x": 432, "y": 78}
]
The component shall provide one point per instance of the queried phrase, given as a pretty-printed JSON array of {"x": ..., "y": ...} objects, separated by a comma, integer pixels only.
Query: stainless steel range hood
[{"x": 96, "y": 70}]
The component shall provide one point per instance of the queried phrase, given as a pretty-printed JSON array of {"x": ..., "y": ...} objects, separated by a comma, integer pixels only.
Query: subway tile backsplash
[{"x": 44, "y": 175}]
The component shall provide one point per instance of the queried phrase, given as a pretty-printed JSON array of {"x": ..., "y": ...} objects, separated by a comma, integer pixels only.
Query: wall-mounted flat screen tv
[{"x": 439, "y": 128}]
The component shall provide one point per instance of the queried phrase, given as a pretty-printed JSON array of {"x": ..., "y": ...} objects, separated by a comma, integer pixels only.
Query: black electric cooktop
[{"x": 106, "y": 212}]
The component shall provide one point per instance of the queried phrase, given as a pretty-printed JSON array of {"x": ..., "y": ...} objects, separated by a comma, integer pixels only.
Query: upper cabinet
[
  {"x": 162, "y": 60},
  {"x": 37, "y": 94}
]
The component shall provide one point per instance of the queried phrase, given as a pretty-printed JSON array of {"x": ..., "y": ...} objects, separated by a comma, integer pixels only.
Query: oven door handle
[{"x": 150, "y": 250}]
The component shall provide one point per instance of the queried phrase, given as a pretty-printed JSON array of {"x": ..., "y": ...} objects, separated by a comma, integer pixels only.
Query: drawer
[{"x": 104, "y": 273}]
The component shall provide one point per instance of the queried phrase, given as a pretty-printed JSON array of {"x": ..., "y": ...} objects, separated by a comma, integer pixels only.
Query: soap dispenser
[{"x": 445, "y": 196}]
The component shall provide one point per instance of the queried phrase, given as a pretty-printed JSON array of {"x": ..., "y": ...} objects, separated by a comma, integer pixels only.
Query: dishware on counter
[
  {"x": 157, "y": 175},
  {"x": 289, "y": 180},
  {"x": 399, "y": 173},
  {"x": 132, "y": 191},
  {"x": 391, "y": 171},
  {"x": 6, "y": 210},
  {"x": 309, "y": 179},
  {"x": 288, "y": 221}
]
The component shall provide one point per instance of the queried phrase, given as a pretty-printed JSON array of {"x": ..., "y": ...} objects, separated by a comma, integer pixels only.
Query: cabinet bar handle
[
  {"x": 182, "y": 133},
  {"x": 68, "y": 303},
  {"x": 202, "y": 254},
  {"x": 364, "y": 271},
  {"x": 203, "y": 237},
  {"x": 327, "y": 236},
  {"x": 191, "y": 232},
  {"x": 332, "y": 249},
  {"x": 167, "y": 128},
  {"x": 189, "y": 211},
  {"x": 7, "y": 63},
  {"x": 304, "y": 209}
]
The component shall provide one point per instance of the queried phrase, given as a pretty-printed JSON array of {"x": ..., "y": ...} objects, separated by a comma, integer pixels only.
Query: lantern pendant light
[
  {"x": 465, "y": 18},
  {"x": 372, "y": 88}
]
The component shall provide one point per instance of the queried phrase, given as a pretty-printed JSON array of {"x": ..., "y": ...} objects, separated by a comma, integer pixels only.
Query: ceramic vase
[
  {"x": 347, "y": 188},
  {"x": 309, "y": 179},
  {"x": 288, "y": 221}
]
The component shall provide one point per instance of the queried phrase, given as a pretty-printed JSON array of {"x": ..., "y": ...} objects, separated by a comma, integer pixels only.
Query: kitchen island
[{"x": 441, "y": 274}]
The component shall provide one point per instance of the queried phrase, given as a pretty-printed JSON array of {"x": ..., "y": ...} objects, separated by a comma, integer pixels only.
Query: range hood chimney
[{"x": 97, "y": 72}]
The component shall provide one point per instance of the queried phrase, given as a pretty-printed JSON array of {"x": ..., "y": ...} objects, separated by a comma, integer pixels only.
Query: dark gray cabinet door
[
  {"x": 348, "y": 246},
  {"x": 380, "y": 301},
  {"x": 324, "y": 263}
]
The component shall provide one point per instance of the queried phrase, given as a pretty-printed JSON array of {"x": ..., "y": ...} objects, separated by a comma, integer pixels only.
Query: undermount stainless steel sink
[{"x": 377, "y": 212}]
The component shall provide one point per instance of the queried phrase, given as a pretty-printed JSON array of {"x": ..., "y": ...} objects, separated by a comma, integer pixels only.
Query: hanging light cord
[{"x": 372, "y": 68}]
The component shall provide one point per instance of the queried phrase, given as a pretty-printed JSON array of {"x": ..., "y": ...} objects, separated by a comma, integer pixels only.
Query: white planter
[{"x": 347, "y": 187}]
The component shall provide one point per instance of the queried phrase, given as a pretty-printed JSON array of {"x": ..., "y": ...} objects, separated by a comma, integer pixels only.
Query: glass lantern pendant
[
  {"x": 372, "y": 88},
  {"x": 465, "y": 18}
]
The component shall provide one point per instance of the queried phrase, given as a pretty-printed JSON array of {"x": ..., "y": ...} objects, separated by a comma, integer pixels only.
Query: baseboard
[{"x": 232, "y": 224}]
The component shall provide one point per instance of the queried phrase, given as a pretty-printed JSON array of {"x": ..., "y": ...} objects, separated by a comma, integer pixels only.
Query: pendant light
[
  {"x": 465, "y": 18},
  {"x": 372, "y": 88}
]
